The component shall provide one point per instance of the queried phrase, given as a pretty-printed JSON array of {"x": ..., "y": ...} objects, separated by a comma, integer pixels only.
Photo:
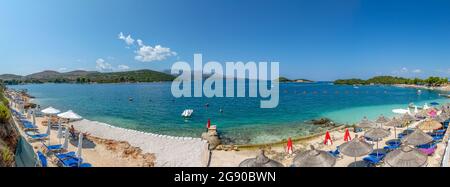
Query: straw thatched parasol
[
  {"x": 418, "y": 137},
  {"x": 429, "y": 125},
  {"x": 366, "y": 123},
  {"x": 355, "y": 148},
  {"x": 422, "y": 114},
  {"x": 377, "y": 134},
  {"x": 394, "y": 123},
  {"x": 406, "y": 157},
  {"x": 314, "y": 158},
  {"x": 260, "y": 161},
  {"x": 382, "y": 120},
  {"x": 406, "y": 118}
]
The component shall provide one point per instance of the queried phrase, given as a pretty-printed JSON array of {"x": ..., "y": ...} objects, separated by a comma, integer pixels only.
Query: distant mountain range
[{"x": 88, "y": 77}]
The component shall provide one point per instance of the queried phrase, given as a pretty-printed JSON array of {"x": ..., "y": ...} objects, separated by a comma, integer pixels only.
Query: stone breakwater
[{"x": 169, "y": 151}]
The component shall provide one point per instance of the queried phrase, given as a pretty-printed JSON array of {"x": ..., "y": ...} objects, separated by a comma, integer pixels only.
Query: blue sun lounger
[
  {"x": 70, "y": 160},
  {"x": 427, "y": 146},
  {"x": 42, "y": 158},
  {"x": 371, "y": 160},
  {"x": 391, "y": 147},
  {"x": 53, "y": 148},
  {"x": 438, "y": 138},
  {"x": 36, "y": 136},
  {"x": 28, "y": 125},
  {"x": 401, "y": 135},
  {"x": 336, "y": 153},
  {"x": 377, "y": 155}
]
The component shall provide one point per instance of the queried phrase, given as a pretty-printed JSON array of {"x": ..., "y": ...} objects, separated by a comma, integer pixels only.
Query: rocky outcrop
[
  {"x": 212, "y": 138},
  {"x": 127, "y": 151},
  {"x": 8, "y": 142},
  {"x": 322, "y": 122}
]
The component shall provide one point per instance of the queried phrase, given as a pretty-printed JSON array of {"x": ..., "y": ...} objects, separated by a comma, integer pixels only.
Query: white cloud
[
  {"x": 147, "y": 53},
  {"x": 128, "y": 40},
  {"x": 140, "y": 42},
  {"x": 102, "y": 65},
  {"x": 123, "y": 67},
  {"x": 417, "y": 71}
]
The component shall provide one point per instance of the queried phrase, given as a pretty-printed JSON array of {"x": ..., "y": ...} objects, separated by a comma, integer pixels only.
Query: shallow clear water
[{"x": 154, "y": 109}]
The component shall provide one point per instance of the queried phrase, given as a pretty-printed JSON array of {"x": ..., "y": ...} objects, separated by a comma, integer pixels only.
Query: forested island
[
  {"x": 284, "y": 79},
  {"x": 390, "y": 80}
]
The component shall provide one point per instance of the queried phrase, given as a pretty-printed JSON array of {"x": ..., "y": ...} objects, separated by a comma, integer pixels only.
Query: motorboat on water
[{"x": 187, "y": 113}]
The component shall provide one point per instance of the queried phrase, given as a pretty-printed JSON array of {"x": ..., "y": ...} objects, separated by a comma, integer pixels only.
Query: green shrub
[
  {"x": 3, "y": 100},
  {"x": 4, "y": 113},
  {"x": 6, "y": 156}
]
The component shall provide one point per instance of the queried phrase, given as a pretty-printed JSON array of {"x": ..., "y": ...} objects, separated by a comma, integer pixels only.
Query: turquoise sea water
[{"x": 154, "y": 109}]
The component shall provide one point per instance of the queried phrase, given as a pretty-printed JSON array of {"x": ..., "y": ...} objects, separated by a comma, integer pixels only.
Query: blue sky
[{"x": 320, "y": 39}]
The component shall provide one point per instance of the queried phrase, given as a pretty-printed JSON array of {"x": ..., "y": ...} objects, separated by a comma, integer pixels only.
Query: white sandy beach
[{"x": 169, "y": 151}]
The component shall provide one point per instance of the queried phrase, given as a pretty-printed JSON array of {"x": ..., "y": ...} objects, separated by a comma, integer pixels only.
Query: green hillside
[{"x": 88, "y": 77}]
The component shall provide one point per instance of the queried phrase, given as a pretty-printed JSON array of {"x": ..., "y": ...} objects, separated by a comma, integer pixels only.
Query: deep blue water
[{"x": 154, "y": 109}]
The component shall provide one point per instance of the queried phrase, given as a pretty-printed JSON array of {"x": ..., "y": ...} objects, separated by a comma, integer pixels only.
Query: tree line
[{"x": 430, "y": 81}]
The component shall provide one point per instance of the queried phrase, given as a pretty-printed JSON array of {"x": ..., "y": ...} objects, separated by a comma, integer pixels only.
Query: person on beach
[{"x": 72, "y": 131}]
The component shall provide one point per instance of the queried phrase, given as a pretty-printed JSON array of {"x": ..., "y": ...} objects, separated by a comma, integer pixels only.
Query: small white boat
[
  {"x": 419, "y": 92},
  {"x": 187, "y": 113}
]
